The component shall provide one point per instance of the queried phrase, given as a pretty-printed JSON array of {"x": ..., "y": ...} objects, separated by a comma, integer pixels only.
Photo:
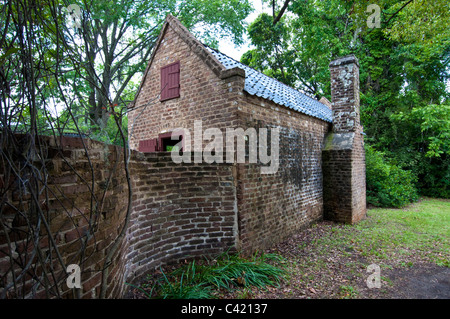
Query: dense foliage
[
  {"x": 211, "y": 278},
  {"x": 387, "y": 184},
  {"x": 79, "y": 77}
]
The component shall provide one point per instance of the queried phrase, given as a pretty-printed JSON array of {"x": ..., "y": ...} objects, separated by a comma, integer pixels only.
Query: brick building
[
  {"x": 320, "y": 166},
  {"x": 165, "y": 211},
  {"x": 118, "y": 226}
]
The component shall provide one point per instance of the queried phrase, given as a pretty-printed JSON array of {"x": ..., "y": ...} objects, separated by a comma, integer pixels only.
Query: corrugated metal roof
[{"x": 259, "y": 84}]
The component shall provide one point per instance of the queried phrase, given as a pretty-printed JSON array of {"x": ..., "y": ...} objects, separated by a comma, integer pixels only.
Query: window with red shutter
[
  {"x": 148, "y": 146},
  {"x": 170, "y": 81}
]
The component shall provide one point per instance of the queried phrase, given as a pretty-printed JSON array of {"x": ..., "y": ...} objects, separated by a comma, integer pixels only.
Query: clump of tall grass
[{"x": 199, "y": 279}]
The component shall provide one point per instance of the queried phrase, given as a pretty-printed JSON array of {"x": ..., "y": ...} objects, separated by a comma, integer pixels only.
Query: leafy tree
[
  {"x": 85, "y": 70},
  {"x": 425, "y": 147},
  {"x": 271, "y": 55},
  {"x": 387, "y": 184}
]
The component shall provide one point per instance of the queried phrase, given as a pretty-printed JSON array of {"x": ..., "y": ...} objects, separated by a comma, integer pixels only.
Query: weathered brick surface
[
  {"x": 203, "y": 94},
  {"x": 75, "y": 194},
  {"x": 343, "y": 155},
  {"x": 179, "y": 211},
  {"x": 270, "y": 206},
  {"x": 273, "y": 206},
  {"x": 190, "y": 209},
  {"x": 345, "y": 94}
]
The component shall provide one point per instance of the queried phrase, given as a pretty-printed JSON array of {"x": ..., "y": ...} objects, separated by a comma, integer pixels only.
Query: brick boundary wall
[
  {"x": 270, "y": 206},
  {"x": 179, "y": 211},
  {"x": 67, "y": 203}
]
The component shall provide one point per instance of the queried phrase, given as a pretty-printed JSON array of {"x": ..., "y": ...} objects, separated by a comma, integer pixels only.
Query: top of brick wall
[{"x": 348, "y": 59}]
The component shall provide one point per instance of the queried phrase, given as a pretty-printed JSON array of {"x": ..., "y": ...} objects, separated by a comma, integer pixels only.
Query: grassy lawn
[
  {"x": 418, "y": 232},
  {"x": 330, "y": 260},
  {"x": 398, "y": 237}
]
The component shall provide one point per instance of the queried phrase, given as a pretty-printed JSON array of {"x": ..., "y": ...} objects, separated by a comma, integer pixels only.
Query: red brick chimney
[{"x": 344, "y": 178}]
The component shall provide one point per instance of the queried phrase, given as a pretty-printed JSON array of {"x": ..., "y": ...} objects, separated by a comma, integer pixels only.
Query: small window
[
  {"x": 163, "y": 143},
  {"x": 167, "y": 144},
  {"x": 170, "y": 81}
]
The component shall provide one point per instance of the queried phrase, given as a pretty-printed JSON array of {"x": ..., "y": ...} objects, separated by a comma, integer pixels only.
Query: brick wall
[
  {"x": 206, "y": 93},
  {"x": 270, "y": 206},
  {"x": 179, "y": 211},
  {"x": 84, "y": 205},
  {"x": 184, "y": 210},
  {"x": 273, "y": 206}
]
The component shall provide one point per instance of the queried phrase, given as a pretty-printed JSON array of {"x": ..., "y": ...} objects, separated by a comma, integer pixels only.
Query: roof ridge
[{"x": 256, "y": 83}]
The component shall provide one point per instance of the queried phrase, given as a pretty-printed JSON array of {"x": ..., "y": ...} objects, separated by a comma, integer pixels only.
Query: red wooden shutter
[
  {"x": 170, "y": 81},
  {"x": 148, "y": 146}
]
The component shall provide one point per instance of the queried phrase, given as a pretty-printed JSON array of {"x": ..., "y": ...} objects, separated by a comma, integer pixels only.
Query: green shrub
[
  {"x": 422, "y": 144},
  {"x": 231, "y": 269},
  {"x": 387, "y": 184}
]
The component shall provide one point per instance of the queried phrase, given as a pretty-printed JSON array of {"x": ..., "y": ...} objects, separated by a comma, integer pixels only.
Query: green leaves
[
  {"x": 424, "y": 21},
  {"x": 215, "y": 19},
  {"x": 272, "y": 55},
  {"x": 7, "y": 54},
  {"x": 434, "y": 122},
  {"x": 387, "y": 184},
  {"x": 404, "y": 67}
]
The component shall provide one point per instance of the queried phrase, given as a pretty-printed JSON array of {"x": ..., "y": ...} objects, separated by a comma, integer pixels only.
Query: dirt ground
[{"x": 426, "y": 281}]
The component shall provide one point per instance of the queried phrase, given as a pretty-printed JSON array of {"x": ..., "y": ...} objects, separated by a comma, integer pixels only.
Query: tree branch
[
  {"x": 408, "y": 2},
  {"x": 280, "y": 14}
]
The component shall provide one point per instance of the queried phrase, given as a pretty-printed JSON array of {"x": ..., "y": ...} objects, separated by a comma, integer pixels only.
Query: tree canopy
[{"x": 74, "y": 66}]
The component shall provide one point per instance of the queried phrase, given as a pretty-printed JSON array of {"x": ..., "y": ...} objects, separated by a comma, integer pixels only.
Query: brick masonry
[
  {"x": 207, "y": 92},
  {"x": 343, "y": 154},
  {"x": 179, "y": 211},
  {"x": 270, "y": 206},
  {"x": 273, "y": 206},
  {"x": 84, "y": 205}
]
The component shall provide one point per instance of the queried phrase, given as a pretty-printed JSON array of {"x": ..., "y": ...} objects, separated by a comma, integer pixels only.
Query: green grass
[
  {"x": 201, "y": 279},
  {"x": 348, "y": 292},
  {"x": 333, "y": 258},
  {"x": 422, "y": 229}
]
